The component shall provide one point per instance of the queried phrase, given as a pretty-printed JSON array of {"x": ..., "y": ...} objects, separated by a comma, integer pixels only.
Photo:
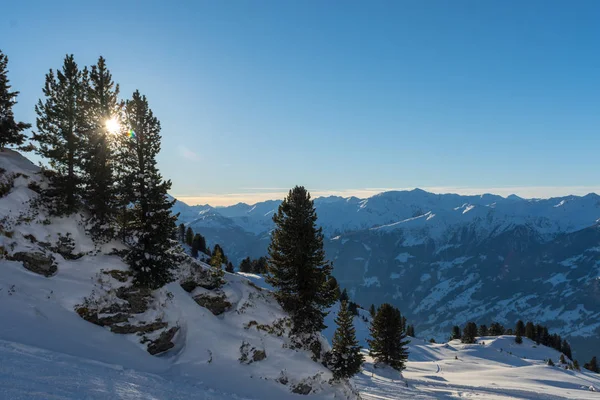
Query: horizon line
[{"x": 254, "y": 197}]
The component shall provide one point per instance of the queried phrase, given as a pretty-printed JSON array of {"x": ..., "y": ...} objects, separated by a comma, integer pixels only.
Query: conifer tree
[
  {"x": 195, "y": 246},
  {"x": 259, "y": 266},
  {"x": 520, "y": 328},
  {"x": 550, "y": 362},
  {"x": 518, "y": 338},
  {"x": 372, "y": 310},
  {"x": 217, "y": 258},
  {"x": 297, "y": 268},
  {"x": 345, "y": 358},
  {"x": 189, "y": 236},
  {"x": 229, "y": 268},
  {"x": 482, "y": 330},
  {"x": 530, "y": 330},
  {"x": 61, "y": 123},
  {"x": 344, "y": 295},
  {"x": 353, "y": 308},
  {"x": 562, "y": 359},
  {"x": 104, "y": 116},
  {"x": 410, "y": 331},
  {"x": 566, "y": 349},
  {"x": 592, "y": 365},
  {"x": 576, "y": 365},
  {"x": 456, "y": 334},
  {"x": 388, "y": 343},
  {"x": 220, "y": 250},
  {"x": 469, "y": 333},
  {"x": 10, "y": 130},
  {"x": 246, "y": 265},
  {"x": 151, "y": 223},
  {"x": 496, "y": 329},
  {"x": 181, "y": 233}
]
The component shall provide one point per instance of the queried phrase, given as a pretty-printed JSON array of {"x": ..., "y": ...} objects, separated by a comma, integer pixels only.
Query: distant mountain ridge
[{"x": 445, "y": 259}]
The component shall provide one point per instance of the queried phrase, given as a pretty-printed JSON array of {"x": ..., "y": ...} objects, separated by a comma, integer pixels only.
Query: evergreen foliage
[
  {"x": 592, "y": 365},
  {"x": 104, "y": 118},
  {"x": 297, "y": 268},
  {"x": 151, "y": 223},
  {"x": 410, "y": 331},
  {"x": 217, "y": 259},
  {"x": 372, "y": 310},
  {"x": 11, "y": 131},
  {"x": 61, "y": 123},
  {"x": 550, "y": 362},
  {"x": 496, "y": 329},
  {"x": 345, "y": 358},
  {"x": 482, "y": 330},
  {"x": 229, "y": 268},
  {"x": 189, "y": 236},
  {"x": 456, "y": 333},
  {"x": 388, "y": 343},
  {"x": 469, "y": 333},
  {"x": 530, "y": 330},
  {"x": 246, "y": 265},
  {"x": 181, "y": 233}
]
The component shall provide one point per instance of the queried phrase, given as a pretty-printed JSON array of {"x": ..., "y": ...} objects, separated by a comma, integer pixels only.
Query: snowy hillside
[
  {"x": 496, "y": 368},
  {"x": 211, "y": 339},
  {"x": 448, "y": 259}
]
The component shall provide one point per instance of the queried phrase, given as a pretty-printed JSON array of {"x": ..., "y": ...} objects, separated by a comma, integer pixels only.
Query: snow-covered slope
[
  {"x": 212, "y": 342},
  {"x": 496, "y": 368}
]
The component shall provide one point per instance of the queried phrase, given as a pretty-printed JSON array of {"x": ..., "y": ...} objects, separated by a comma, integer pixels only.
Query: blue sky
[{"x": 344, "y": 97}]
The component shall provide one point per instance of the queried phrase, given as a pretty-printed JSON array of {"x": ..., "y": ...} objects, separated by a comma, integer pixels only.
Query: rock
[
  {"x": 113, "y": 319},
  {"x": 164, "y": 342},
  {"x": 121, "y": 276},
  {"x": 144, "y": 328},
  {"x": 259, "y": 355},
  {"x": 138, "y": 298},
  {"x": 36, "y": 262},
  {"x": 189, "y": 285},
  {"x": 215, "y": 304},
  {"x": 302, "y": 388}
]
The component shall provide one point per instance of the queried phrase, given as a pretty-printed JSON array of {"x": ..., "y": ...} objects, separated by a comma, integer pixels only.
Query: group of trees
[
  {"x": 258, "y": 266},
  {"x": 11, "y": 131},
  {"x": 197, "y": 242},
  {"x": 301, "y": 277},
  {"x": 101, "y": 154}
]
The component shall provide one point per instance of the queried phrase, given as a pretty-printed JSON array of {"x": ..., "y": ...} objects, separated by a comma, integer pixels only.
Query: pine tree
[
  {"x": 566, "y": 349},
  {"x": 456, "y": 334},
  {"x": 259, "y": 266},
  {"x": 217, "y": 258},
  {"x": 220, "y": 250},
  {"x": 229, "y": 268},
  {"x": 562, "y": 359},
  {"x": 496, "y": 329},
  {"x": 10, "y": 130},
  {"x": 469, "y": 333},
  {"x": 151, "y": 223},
  {"x": 520, "y": 328},
  {"x": 297, "y": 268},
  {"x": 410, "y": 331},
  {"x": 181, "y": 233},
  {"x": 246, "y": 265},
  {"x": 345, "y": 358},
  {"x": 592, "y": 365},
  {"x": 388, "y": 344},
  {"x": 550, "y": 362},
  {"x": 530, "y": 330},
  {"x": 344, "y": 295},
  {"x": 202, "y": 244},
  {"x": 195, "y": 246},
  {"x": 576, "y": 365},
  {"x": 104, "y": 113},
  {"x": 61, "y": 123},
  {"x": 189, "y": 236},
  {"x": 372, "y": 310},
  {"x": 482, "y": 330},
  {"x": 353, "y": 308}
]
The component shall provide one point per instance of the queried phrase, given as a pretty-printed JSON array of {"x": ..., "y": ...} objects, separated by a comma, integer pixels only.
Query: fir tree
[
  {"x": 297, "y": 267},
  {"x": 372, "y": 310},
  {"x": 566, "y": 349},
  {"x": 61, "y": 123},
  {"x": 104, "y": 113},
  {"x": 518, "y": 338},
  {"x": 456, "y": 334},
  {"x": 469, "y": 333},
  {"x": 181, "y": 233},
  {"x": 219, "y": 249},
  {"x": 496, "y": 329},
  {"x": 217, "y": 259},
  {"x": 482, "y": 330},
  {"x": 345, "y": 358},
  {"x": 344, "y": 295},
  {"x": 410, "y": 331},
  {"x": 353, "y": 308},
  {"x": 388, "y": 344},
  {"x": 260, "y": 266},
  {"x": 562, "y": 359},
  {"x": 10, "y": 130},
  {"x": 151, "y": 223},
  {"x": 195, "y": 246},
  {"x": 576, "y": 365},
  {"x": 189, "y": 236},
  {"x": 592, "y": 365},
  {"x": 520, "y": 328},
  {"x": 550, "y": 362},
  {"x": 530, "y": 330},
  {"x": 229, "y": 267},
  {"x": 246, "y": 265}
]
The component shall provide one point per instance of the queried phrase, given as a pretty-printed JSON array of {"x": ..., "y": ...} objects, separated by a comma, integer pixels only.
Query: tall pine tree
[
  {"x": 104, "y": 114},
  {"x": 61, "y": 123},
  {"x": 11, "y": 131},
  {"x": 388, "y": 343},
  {"x": 469, "y": 333},
  {"x": 151, "y": 222},
  {"x": 297, "y": 268},
  {"x": 345, "y": 358}
]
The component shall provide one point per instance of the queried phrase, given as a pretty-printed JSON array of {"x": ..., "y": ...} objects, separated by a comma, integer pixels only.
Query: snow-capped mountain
[{"x": 445, "y": 259}]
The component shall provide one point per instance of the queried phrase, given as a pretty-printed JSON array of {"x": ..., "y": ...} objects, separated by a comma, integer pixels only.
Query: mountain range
[{"x": 446, "y": 259}]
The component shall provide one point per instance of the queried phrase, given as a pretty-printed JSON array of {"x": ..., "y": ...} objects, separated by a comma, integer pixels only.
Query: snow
[
  {"x": 403, "y": 257},
  {"x": 498, "y": 369}
]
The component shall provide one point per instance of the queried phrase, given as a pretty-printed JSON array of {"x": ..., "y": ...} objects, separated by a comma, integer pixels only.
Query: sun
[{"x": 113, "y": 126}]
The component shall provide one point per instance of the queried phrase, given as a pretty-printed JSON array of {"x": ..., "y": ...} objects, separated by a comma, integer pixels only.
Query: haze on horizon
[{"x": 351, "y": 99}]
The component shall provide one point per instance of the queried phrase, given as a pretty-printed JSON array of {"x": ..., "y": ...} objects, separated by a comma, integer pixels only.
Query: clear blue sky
[{"x": 343, "y": 97}]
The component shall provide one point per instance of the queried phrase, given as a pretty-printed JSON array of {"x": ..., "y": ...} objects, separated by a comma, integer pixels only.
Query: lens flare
[
  {"x": 131, "y": 134},
  {"x": 113, "y": 126}
]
